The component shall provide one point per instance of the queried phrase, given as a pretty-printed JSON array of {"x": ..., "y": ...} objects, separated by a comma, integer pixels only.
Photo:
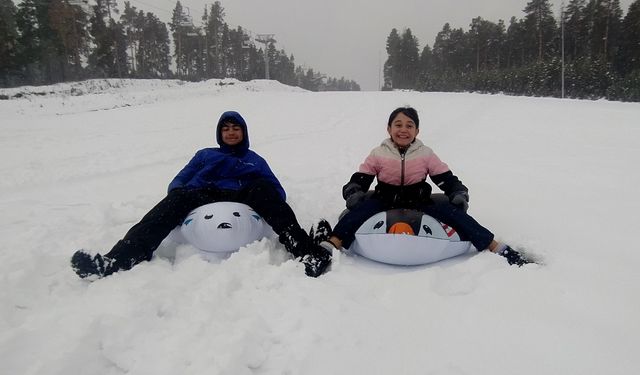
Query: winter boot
[
  {"x": 124, "y": 255},
  {"x": 295, "y": 240},
  {"x": 514, "y": 257},
  {"x": 321, "y": 233},
  {"x": 317, "y": 262},
  {"x": 93, "y": 268},
  {"x": 315, "y": 258}
]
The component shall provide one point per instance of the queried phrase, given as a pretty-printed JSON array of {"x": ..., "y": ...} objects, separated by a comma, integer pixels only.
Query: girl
[{"x": 401, "y": 164}]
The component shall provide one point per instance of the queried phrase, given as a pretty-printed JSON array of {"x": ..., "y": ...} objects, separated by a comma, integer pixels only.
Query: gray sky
[{"x": 347, "y": 37}]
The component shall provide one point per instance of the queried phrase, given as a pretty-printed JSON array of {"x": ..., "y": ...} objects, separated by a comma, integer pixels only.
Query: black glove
[
  {"x": 460, "y": 199},
  {"x": 514, "y": 257},
  {"x": 355, "y": 198},
  {"x": 353, "y": 194}
]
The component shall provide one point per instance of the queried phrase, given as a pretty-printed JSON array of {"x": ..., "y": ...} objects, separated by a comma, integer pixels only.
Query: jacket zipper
[
  {"x": 400, "y": 191},
  {"x": 402, "y": 155}
]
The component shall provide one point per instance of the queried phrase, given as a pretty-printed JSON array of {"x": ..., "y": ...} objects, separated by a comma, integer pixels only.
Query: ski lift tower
[
  {"x": 185, "y": 22},
  {"x": 83, "y": 4},
  {"x": 265, "y": 39}
]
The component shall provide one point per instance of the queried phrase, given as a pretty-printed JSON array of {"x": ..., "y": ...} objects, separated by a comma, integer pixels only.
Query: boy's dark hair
[{"x": 407, "y": 111}]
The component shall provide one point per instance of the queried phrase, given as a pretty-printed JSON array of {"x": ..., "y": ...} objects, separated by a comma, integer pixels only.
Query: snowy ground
[{"x": 553, "y": 176}]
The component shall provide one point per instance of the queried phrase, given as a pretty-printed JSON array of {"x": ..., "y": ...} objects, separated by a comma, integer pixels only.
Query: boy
[{"x": 231, "y": 172}]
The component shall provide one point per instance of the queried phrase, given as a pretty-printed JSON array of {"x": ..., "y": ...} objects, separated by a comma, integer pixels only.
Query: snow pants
[
  {"x": 441, "y": 210},
  {"x": 144, "y": 238}
]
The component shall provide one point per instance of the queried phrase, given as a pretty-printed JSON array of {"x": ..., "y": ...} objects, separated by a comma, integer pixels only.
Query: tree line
[
  {"x": 49, "y": 41},
  {"x": 601, "y": 50}
]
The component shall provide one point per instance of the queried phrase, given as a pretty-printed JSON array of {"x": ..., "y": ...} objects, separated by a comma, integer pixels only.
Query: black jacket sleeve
[
  {"x": 358, "y": 182},
  {"x": 449, "y": 183}
]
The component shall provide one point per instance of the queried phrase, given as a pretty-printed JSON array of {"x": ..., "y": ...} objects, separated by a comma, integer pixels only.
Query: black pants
[
  {"x": 144, "y": 238},
  {"x": 440, "y": 209}
]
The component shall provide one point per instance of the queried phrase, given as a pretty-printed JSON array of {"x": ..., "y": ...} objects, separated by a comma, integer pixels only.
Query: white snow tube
[
  {"x": 407, "y": 237},
  {"x": 221, "y": 227}
]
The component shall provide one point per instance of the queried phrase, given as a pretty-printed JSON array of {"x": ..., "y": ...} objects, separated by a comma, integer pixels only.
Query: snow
[{"x": 555, "y": 177}]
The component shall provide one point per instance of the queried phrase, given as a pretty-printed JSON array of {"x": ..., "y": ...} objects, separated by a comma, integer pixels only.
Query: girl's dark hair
[{"x": 407, "y": 111}]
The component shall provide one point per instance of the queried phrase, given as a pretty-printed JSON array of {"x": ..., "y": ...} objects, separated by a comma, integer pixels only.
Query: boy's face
[{"x": 231, "y": 134}]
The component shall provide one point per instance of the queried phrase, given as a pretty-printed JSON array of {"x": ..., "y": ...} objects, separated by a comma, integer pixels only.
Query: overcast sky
[{"x": 347, "y": 37}]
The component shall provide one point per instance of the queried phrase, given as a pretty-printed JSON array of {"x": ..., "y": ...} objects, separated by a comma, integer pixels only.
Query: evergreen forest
[
  {"x": 591, "y": 51},
  {"x": 49, "y": 41}
]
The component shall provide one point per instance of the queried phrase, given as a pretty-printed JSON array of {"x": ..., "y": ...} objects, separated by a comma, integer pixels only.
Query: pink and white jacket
[
  {"x": 402, "y": 175},
  {"x": 395, "y": 168}
]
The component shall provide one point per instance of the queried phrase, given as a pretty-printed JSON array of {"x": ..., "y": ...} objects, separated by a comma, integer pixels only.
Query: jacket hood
[{"x": 234, "y": 118}]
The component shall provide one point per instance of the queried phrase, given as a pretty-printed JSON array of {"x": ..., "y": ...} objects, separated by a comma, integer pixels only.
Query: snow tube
[
  {"x": 221, "y": 227},
  {"x": 407, "y": 237}
]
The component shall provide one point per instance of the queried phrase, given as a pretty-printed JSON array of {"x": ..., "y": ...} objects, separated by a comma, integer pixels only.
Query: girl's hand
[{"x": 460, "y": 199}]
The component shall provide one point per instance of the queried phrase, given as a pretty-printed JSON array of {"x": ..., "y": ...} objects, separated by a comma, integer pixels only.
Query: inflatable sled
[
  {"x": 221, "y": 227},
  {"x": 408, "y": 238}
]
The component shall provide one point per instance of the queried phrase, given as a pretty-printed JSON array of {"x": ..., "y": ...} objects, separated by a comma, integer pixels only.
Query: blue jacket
[{"x": 226, "y": 167}]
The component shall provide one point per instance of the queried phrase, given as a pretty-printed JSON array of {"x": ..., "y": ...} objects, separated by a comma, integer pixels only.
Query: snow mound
[
  {"x": 105, "y": 94},
  {"x": 92, "y": 86},
  {"x": 114, "y": 85}
]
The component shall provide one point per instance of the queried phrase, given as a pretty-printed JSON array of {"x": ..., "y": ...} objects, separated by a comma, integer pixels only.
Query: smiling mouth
[{"x": 224, "y": 226}]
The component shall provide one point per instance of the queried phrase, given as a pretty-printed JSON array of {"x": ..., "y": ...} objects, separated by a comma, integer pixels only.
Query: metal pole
[
  {"x": 562, "y": 38},
  {"x": 379, "y": 70}
]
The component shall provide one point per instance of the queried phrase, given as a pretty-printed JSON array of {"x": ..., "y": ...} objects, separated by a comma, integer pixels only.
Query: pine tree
[
  {"x": 120, "y": 48},
  {"x": 281, "y": 67},
  {"x": 312, "y": 80},
  {"x": 515, "y": 45},
  {"x": 8, "y": 42},
  {"x": 575, "y": 29},
  {"x": 392, "y": 65},
  {"x": 41, "y": 54},
  {"x": 409, "y": 61},
  {"x": 101, "y": 58},
  {"x": 180, "y": 26},
  {"x": 131, "y": 25},
  {"x": 108, "y": 58},
  {"x": 214, "y": 46},
  {"x": 628, "y": 57},
  {"x": 29, "y": 56},
  {"x": 454, "y": 58},
  {"x": 69, "y": 22},
  {"x": 255, "y": 65},
  {"x": 542, "y": 29},
  {"x": 488, "y": 40},
  {"x": 604, "y": 20},
  {"x": 427, "y": 70},
  {"x": 153, "y": 52}
]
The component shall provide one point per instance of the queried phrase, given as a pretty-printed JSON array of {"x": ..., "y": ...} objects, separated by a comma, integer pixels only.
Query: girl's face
[{"x": 402, "y": 130}]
